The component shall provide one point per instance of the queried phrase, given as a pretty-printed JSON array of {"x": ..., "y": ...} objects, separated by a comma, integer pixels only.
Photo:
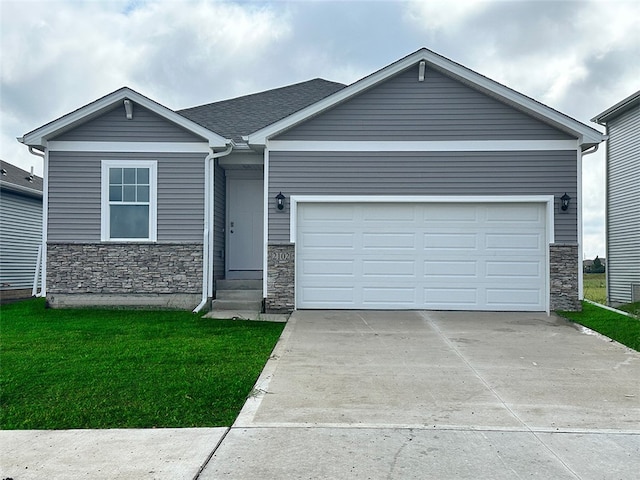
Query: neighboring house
[
  {"x": 623, "y": 199},
  {"x": 424, "y": 185},
  {"x": 587, "y": 265},
  {"x": 20, "y": 230}
]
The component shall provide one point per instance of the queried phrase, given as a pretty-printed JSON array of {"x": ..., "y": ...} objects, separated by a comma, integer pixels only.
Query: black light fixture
[
  {"x": 280, "y": 201},
  {"x": 565, "y": 199}
]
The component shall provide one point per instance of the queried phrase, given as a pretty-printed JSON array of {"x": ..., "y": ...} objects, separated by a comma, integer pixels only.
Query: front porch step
[{"x": 244, "y": 295}]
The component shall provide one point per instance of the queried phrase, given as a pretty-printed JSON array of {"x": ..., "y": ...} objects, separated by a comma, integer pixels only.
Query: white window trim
[{"x": 152, "y": 165}]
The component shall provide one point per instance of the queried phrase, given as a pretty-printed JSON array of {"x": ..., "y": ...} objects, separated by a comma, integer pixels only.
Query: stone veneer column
[
  {"x": 280, "y": 278},
  {"x": 563, "y": 275}
]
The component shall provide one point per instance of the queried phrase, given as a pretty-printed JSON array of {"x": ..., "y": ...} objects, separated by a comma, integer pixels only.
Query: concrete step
[
  {"x": 241, "y": 305},
  {"x": 238, "y": 284},
  {"x": 247, "y": 295}
]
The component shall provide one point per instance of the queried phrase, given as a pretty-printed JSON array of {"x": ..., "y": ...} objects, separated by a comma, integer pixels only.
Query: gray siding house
[
  {"x": 20, "y": 231},
  {"x": 622, "y": 122},
  {"x": 424, "y": 185}
]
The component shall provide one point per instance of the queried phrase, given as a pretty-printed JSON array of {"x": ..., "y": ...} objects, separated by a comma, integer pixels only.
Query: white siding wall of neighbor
[
  {"x": 623, "y": 207},
  {"x": 20, "y": 237}
]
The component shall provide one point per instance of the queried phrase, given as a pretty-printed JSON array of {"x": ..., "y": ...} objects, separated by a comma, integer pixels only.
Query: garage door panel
[
  {"x": 521, "y": 242},
  {"x": 451, "y": 297},
  {"x": 391, "y": 240},
  {"x": 513, "y": 269},
  {"x": 434, "y": 256},
  {"x": 389, "y": 268},
  {"x": 450, "y": 241},
  {"x": 319, "y": 297},
  {"x": 452, "y": 215},
  {"x": 328, "y": 240},
  {"x": 437, "y": 269},
  {"x": 397, "y": 296},
  {"x": 312, "y": 268},
  {"x": 319, "y": 213},
  {"x": 506, "y": 298},
  {"x": 389, "y": 214}
]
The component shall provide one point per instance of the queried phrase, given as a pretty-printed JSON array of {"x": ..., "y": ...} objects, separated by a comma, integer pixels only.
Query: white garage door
[{"x": 451, "y": 256}]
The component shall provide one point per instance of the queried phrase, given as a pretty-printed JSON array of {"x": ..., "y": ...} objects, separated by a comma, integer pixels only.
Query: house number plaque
[{"x": 281, "y": 256}]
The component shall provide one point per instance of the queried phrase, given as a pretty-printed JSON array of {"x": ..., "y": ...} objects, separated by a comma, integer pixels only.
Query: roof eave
[
  {"x": 617, "y": 109},
  {"x": 581, "y": 131}
]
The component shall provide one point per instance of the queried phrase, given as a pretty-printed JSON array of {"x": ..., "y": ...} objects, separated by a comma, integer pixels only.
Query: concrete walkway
[{"x": 391, "y": 395}]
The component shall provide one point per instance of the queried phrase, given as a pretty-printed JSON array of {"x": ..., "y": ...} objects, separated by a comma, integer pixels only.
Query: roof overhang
[
  {"x": 586, "y": 135},
  {"x": 619, "y": 108},
  {"x": 19, "y": 189},
  {"x": 38, "y": 138}
]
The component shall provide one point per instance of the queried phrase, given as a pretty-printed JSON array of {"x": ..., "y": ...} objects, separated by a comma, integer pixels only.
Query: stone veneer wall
[
  {"x": 563, "y": 273},
  {"x": 280, "y": 278},
  {"x": 124, "y": 268}
]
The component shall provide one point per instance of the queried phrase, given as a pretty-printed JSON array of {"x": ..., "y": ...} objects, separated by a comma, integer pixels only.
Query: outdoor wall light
[
  {"x": 565, "y": 199},
  {"x": 280, "y": 201}
]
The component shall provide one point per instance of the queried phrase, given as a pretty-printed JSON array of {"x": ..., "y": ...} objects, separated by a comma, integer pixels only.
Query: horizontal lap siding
[
  {"x": 423, "y": 173},
  {"x": 440, "y": 108},
  {"x": 623, "y": 217},
  {"x": 20, "y": 236},
  {"x": 74, "y": 195},
  {"x": 113, "y": 126}
]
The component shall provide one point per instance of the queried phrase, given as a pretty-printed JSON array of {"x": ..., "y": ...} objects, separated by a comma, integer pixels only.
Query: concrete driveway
[{"x": 398, "y": 395}]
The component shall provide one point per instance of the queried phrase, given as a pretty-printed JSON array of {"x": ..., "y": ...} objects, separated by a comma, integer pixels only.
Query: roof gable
[
  {"x": 241, "y": 116},
  {"x": 438, "y": 108},
  {"x": 40, "y": 136},
  {"x": 586, "y": 135}
]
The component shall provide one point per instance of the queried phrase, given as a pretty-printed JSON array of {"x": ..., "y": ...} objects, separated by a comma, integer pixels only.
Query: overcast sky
[{"x": 579, "y": 57}]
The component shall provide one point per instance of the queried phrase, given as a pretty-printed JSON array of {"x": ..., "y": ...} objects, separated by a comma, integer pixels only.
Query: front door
[{"x": 244, "y": 227}]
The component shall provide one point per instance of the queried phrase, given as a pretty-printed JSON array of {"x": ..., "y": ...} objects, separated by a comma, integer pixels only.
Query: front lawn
[
  {"x": 90, "y": 368},
  {"x": 621, "y": 328}
]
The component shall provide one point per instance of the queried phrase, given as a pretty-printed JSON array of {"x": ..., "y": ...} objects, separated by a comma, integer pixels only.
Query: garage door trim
[{"x": 546, "y": 200}]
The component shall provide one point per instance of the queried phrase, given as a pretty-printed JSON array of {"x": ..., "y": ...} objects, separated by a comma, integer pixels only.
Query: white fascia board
[
  {"x": 421, "y": 146},
  {"x": 294, "y": 200},
  {"x": 586, "y": 134},
  {"x": 129, "y": 147},
  {"x": 39, "y": 136}
]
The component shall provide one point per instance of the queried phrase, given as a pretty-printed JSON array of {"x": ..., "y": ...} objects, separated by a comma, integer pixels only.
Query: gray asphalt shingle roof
[
  {"x": 14, "y": 176},
  {"x": 244, "y": 115}
]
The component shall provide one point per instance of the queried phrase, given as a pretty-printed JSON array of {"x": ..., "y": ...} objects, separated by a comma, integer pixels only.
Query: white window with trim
[{"x": 129, "y": 192}]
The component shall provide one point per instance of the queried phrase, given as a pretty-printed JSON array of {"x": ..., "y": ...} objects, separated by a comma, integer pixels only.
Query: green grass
[
  {"x": 616, "y": 326},
  {"x": 90, "y": 368},
  {"x": 595, "y": 287},
  {"x": 632, "y": 308}
]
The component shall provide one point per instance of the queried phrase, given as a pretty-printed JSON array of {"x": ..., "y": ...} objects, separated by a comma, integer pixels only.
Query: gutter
[{"x": 209, "y": 198}]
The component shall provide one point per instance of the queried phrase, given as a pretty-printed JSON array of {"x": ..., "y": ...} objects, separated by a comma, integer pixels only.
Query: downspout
[
  {"x": 209, "y": 198},
  {"x": 41, "y": 262}
]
